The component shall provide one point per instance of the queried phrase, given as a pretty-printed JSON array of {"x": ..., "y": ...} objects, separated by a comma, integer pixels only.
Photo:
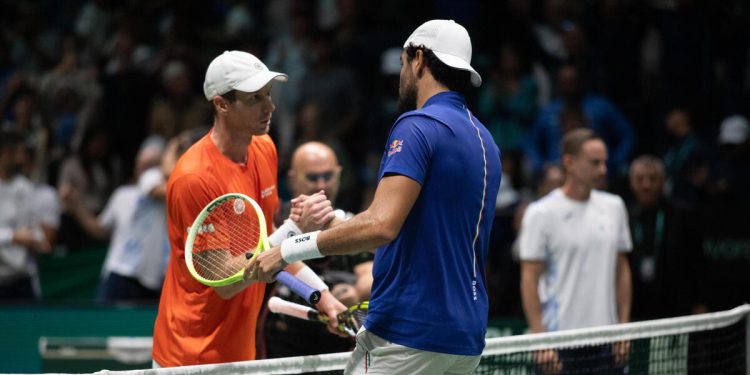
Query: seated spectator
[{"x": 314, "y": 168}]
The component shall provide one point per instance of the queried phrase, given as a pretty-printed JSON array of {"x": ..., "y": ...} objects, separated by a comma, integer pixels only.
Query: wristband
[
  {"x": 308, "y": 276},
  {"x": 300, "y": 247},
  {"x": 286, "y": 230}
]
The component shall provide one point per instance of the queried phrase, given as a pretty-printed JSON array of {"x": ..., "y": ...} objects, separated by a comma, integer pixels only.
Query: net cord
[
  {"x": 614, "y": 333},
  {"x": 495, "y": 346}
]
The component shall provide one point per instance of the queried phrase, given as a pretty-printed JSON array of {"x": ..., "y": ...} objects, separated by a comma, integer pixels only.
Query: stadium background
[{"x": 110, "y": 67}]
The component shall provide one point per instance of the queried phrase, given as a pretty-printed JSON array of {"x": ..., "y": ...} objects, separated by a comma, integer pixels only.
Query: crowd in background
[{"x": 90, "y": 83}]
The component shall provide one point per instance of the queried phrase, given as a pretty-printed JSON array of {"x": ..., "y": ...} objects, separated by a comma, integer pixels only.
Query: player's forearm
[
  {"x": 532, "y": 306},
  {"x": 231, "y": 290},
  {"x": 624, "y": 290},
  {"x": 364, "y": 231}
]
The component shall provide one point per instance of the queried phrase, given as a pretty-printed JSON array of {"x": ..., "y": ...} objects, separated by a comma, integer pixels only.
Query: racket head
[
  {"x": 227, "y": 229},
  {"x": 354, "y": 318}
]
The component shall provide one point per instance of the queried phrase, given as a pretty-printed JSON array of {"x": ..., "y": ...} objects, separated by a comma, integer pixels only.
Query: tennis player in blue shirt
[{"x": 430, "y": 220}]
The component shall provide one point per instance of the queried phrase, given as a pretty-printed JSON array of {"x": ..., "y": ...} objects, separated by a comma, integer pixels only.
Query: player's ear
[
  {"x": 567, "y": 161},
  {"x": 419, "y": 60},
  {"x": 219, "y": 104}
]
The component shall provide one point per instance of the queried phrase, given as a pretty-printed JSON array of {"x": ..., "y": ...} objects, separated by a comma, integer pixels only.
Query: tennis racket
[
  {"x": 227, "y": 233},
  {"x": 349, "y": 321}
]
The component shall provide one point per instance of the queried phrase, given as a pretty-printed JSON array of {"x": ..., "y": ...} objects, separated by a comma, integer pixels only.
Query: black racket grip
[{"x": 312, "y": 296}]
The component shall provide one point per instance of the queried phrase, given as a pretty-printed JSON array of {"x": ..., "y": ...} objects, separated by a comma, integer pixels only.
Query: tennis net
[{"x": 715, "y": 343}]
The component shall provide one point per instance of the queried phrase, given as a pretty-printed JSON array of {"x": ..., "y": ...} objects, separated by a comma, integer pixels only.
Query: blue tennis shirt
[{"x": 429, "y": 290}]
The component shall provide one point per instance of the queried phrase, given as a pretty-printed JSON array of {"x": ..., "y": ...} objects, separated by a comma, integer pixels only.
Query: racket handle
[{"x": 312, "y": 296}]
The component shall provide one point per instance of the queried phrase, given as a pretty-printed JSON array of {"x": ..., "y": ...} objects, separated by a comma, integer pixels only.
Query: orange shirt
[{"x": 194, "y": 325}]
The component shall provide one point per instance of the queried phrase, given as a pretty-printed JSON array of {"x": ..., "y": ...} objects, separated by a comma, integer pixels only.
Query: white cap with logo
[
  {"x": 237, "y": 70},
  {"x": 449, "y": 41}
]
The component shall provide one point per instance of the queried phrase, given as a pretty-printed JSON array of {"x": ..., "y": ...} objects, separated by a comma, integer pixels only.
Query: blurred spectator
[
  {"x": 180, "y": 108},
  {"x": 20, "y": 236},
  {"x": 731, "y": 174},
  {"x": 378, "y": 123},
  {"x": 23, "y": 114},
  {"x": 315, "y": 168},
  {"x": 46, "y": 203},
  {"x": 93, "y": 174},
  {"x": 726, "y": 238},
  {"x": 126, "y": 97},
  {"x": 333, "y": 90},
  {"x": 666, "y": 246},
  {"x": 685, "y": 161},
  {"x": 576, "y": 107},
  {"x": 70, "y": 95},
  {"x": 135, "y": 223},
  {"x": 289, "y": 52},
  {"x": 92, "y": 23},
  {"x": 507, "y": 102}
]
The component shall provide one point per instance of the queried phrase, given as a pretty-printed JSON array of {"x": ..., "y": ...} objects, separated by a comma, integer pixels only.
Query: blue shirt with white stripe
[{"x": 429, "y": 289}]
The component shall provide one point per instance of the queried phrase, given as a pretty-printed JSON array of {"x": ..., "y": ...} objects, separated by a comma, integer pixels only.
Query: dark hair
[
  {"x": 573, "y": 141},
  {"x": 230, "y": 96},
  {"x": 452, "y": 78}
]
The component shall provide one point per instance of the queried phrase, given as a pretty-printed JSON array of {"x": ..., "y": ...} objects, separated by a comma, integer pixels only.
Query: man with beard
[{"x": 430, "y": 220}]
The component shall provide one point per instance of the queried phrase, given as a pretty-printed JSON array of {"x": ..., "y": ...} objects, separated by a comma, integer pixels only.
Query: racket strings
[
  {"x": 354, "y": 318},
  {"x": 231, "y": 229}
]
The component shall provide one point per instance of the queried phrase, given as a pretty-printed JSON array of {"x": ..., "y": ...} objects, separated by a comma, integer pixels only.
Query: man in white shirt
[
  {"x": 21, "y": 238},
  {"x": 574, "y": 246},
  {"x": 134, "y": 221}
]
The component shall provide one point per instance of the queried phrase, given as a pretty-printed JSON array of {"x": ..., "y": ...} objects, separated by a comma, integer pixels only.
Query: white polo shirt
[{"x": 579, "y": 242}]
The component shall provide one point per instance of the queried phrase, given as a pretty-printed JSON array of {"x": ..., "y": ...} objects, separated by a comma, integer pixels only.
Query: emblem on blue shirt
[{"x": 395, "y": 147}]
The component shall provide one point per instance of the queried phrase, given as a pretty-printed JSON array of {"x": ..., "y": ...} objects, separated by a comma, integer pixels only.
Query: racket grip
[{"x": 312, "y": 296}]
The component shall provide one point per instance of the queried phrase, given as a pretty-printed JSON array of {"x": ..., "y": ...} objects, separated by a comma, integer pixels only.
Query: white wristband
[
  {"x": 308, "y": 276},
  {"x": 301, "y": 247},
  {"x": 286, "y": 230}
]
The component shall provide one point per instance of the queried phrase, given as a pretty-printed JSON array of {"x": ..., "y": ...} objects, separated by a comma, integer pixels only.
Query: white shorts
[{"x": 375, "y": 355}]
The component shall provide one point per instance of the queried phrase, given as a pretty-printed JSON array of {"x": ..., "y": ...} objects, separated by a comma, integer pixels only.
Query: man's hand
[
  {"x": 266, "y": 265},
  {"x": 311, "y": 213},
  {"x": 332, "y": 308},
  {"x": 621, "y": 350},
  {"x": 548, "y": 361},
  {"x": 32, "y": 239}
]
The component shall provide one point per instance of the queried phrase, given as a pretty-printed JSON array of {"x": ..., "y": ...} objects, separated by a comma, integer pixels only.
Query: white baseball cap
[
  {"x": 449, "y": 41},
  {"x": 734, "y": 130},
  {"x": 237, "y": 70}
]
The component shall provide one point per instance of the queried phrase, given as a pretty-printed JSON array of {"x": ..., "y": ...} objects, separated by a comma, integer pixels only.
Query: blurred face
[
  {"x": 589, "y": 167},
  {"x": 678, "y": 123},
  {"x": 646, "y": 182},
  {"x": 407, "y": 88},
  {"x": 315, "y": 169},
  {"x": 251, "y": 111}
]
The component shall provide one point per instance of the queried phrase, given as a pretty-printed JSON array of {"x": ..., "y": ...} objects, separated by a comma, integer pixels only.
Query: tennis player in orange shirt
[{"x": 197, "y": 324}]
